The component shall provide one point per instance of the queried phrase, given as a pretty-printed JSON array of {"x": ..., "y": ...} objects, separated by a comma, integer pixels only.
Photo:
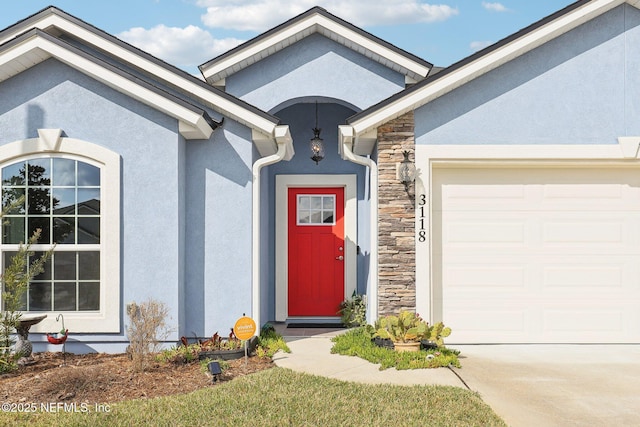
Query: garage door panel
[{"x": 537, "y": 254}]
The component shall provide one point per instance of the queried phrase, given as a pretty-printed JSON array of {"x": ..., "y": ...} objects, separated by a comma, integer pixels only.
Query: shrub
[
  {"x": 147, "y": 329},
  {"x": 353, "y": 312},
  {"x": 15, "y": 282},
  {"x": 269, "y": 342}
]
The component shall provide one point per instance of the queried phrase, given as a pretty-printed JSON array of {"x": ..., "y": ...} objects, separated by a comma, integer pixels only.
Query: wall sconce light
[
  {"x": 316, "y": 145},
  {"x": 406, "y": 171}
]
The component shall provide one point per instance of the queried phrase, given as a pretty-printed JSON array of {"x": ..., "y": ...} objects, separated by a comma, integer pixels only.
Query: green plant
[
  {"x": 406, "y": 327},
  {"x": 147, "y": 328},
  {"x": 357, "y": 342},
  {"x": 269, "y": 342},
  {"x": 179, "y": 355},
  {"x": 353, "y": 311},
  {"x": 15, "y": 282},
  {"x": 438, "y": 332}
]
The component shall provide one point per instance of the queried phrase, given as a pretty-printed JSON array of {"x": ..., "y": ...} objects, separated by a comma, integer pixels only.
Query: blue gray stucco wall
[
  {"x": 185, "y": 205},
  {"x": 580, "y": 88},
  {"x": 314, "y": 66},
  {"x": 219, "y": 206}
]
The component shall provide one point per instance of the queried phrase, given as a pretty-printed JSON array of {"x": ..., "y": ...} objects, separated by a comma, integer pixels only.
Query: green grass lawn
[{"x": 281, "y": 397}]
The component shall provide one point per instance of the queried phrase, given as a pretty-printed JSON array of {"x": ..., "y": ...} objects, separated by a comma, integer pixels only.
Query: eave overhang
[
  {"x": 315, "y": 20},
  {"x": 481, "y": 63},
  {"x": 35, "y": 46},
  {"x": 56, "y": 22}
]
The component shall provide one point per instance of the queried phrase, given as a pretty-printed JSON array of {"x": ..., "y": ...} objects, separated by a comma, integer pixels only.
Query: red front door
[{"x": 316, "y": 251}]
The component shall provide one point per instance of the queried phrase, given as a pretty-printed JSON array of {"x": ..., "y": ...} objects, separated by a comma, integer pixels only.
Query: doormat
[{"x": 315, "y": 325}]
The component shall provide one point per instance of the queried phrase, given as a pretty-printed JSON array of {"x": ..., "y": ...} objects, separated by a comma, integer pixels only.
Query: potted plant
[
  {"x": 353, "y": 312},
  {"x": 405, "y": 330}
]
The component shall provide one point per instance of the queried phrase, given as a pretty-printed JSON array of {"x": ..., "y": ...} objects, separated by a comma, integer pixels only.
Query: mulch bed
[{"x": 98, "y": 378}]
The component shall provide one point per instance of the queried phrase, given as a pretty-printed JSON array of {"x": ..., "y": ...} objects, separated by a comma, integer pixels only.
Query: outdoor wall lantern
[
  {"x": 316, "y": 145},
  {"x": 406, "y": 171}
]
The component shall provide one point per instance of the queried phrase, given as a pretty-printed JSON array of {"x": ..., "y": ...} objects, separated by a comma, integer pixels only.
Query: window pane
[
  {"x": 89, "y": 265},
  {"x": 46, "y": 274},
  {"x": 303, "y": 217},
  {"x": 13, "y": 174},
  {"x": 39, "y": 171},
  {"x": 64, "y": 266},
  {"x": 88, "y": 296},
  {"x": 64, "y": 172},
  {"x": 10, "y": 198},
  {"x": 316, "y": 202},
  {"x": 7, "y": 258},
  {"x": 88, "y": 175},
  {"x": 327, "y": 202},
  {"x": 13, "y": 230},
  {"x": 303, "y": 202},
  {"x": 64, "y": 230},
  {"x": 39, "y": 200},
  {"x": 64, "y": 201},
  {"x": 42, "y": 224},
  {"x": 40, "y": 297},
  {"x": 316, "y": 217},
  {"x": 88, "y": 201},
  {"x": 88, "y": 230},
  {"x": 327, "y": 217},
  {"x": 64, "y": 296}
]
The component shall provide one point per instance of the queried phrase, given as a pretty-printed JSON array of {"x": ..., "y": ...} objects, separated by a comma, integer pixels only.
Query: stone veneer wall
[{"x": 396, "y": 218}]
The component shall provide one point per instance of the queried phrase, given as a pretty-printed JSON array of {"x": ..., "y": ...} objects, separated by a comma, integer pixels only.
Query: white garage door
[{"x": 538, "y": 255}]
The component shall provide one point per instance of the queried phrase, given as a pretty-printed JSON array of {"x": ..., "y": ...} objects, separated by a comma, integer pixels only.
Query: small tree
[
  {"x": 15, "y": 282},
  {"x": 147, "y": 329}
]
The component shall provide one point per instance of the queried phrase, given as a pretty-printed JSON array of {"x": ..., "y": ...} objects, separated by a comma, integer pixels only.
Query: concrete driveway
[{"x": 556, "y": 385}]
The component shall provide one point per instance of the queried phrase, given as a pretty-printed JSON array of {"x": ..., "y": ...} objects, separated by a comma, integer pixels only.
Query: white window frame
[
  {"x": 52, "y": 144},
  {"x": 316, "y": 224}
]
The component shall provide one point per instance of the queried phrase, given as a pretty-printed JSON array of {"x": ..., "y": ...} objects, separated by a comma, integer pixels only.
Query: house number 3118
[{"x": 422, "y": 204}]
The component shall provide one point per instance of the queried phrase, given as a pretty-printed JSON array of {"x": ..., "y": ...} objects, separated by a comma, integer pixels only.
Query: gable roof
[
  {"x": 35, "y": 46},
  {"x": 315, "y": 20},
  {"x": 479, "y": 64},
  {"x": 56, "y": 22}
]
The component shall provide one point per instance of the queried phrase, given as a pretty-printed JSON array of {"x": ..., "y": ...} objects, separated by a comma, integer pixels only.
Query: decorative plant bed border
[{"x": 230, "y": 354}]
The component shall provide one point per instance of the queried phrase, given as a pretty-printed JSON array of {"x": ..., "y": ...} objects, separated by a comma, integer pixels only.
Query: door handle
[{"x": 340, "y": 258}]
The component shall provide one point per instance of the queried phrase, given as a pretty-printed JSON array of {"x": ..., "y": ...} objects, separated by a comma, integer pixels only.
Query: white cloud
[
  {"x": 494, "y": 7},
  {"x": 479, "y": 45},
  {"x": 183, "y": 47},
  {"x": 261, "y": 15}
]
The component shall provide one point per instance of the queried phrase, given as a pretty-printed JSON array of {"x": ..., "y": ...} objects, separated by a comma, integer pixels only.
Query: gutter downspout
[
  {"x": 285, "y": 151},
  {"x": 346, "y": 139}
]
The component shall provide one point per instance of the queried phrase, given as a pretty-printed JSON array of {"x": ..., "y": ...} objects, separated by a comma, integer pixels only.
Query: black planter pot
[
  {"x": 383, "y": 342},
  {"x": 230, "y": 354},
  {"x": 428, "y": 345}
]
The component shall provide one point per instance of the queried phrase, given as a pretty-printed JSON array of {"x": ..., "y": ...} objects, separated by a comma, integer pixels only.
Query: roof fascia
[
  {"x": 482, "y": 62},
  {"x": 315, "y": 20},
  {"x": 199, "y": 124},
  {"x": 221, "y": 102}
]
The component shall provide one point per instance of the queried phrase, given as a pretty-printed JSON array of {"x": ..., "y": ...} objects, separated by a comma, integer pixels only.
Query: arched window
[
  {"x": 70, "y": 190},
  {"x": 61, "y": 198}
]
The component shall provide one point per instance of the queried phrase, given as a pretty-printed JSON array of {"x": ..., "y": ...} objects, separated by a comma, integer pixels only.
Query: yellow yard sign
[{"x": 245, "y": 328}]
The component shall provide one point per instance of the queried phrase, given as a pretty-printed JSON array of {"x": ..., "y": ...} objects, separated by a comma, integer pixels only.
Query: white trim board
[{"x": 283, "y": 183}]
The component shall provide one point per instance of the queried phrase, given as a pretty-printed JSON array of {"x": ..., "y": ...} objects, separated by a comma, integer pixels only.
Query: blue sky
[{"x": 187, "y": 33}]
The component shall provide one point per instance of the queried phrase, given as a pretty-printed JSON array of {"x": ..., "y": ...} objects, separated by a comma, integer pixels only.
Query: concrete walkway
[{"x": 526, "y": 385}]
